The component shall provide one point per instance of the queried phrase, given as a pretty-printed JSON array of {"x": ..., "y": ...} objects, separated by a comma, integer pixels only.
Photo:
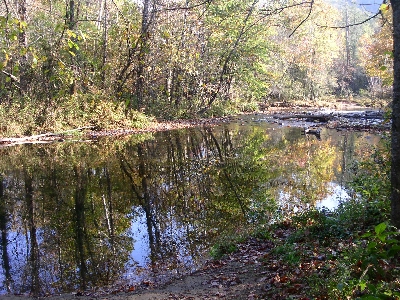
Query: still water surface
[{"x": 82, "y": 214}]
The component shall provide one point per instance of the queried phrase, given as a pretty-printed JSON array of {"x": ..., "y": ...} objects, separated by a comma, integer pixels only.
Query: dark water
[{"x": 115, "y": 212}]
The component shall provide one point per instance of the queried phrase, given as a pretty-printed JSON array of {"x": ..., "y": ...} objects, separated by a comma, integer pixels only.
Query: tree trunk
[
  {"x": 395, "y": 168},
  {"x": 71, "y": 20},
  {"x": 23, "y": 45},
  {"x": 144, "y": 45},
  {"x": 80, "y": 199},
  {"x": 148, "y": 207},
  {"x": 105, "y": 44},
  {"x": 109, "y": 210}
]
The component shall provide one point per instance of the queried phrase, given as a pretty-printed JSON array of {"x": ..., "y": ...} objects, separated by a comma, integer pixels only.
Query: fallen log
[
  {"x": 27, "y": 138},
  {"x": 41, "y": 137},
  {"x": 364, "y": 115},
  {"x": 320, "y": 118}
]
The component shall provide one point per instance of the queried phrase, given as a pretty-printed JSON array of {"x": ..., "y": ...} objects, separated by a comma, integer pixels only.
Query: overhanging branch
[
  {"x": 358, "y": 23},
  {"x": 185, "y": 7},
  {"x": 269, "y": 12},
  {"x": 13, "y": 78},
  {"x": 305, "y": 19},
  {"x": 351, "y": 25}
]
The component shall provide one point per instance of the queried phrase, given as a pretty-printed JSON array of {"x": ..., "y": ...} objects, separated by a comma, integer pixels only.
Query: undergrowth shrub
[
  {"x": 289, "y": 253},
  {"x": 366, "y": 264},
  {"x": 372, "y": 176},
  {"x": 360, "y": 214},
  {"x": 39, "y": 116},
  {"x": 370, "y": 204},
  {"x": 226, "y": 245},
  {"x": 223, "y": 248},
  {"x": 369, "y": 270},
  {"x": 321, "y": 224}
]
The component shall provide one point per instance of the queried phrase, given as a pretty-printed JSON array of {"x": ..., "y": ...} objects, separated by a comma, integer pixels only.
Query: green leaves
[
  {"x": 73, "y": 47},
  {"x": 72, "y": 40},
  {"x": 383, "y": 68},
  {"x": 389, "y": 53},
  {"x": 379, "y": 229}
]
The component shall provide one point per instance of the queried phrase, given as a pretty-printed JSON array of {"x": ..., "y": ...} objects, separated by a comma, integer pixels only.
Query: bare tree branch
[
  {"x": 6, "y": 5},
  {"x": 185, "y": 7},
  {"x": 359, "y": 23},
  {"x": 269, "y": 12},
  {"x": 304, "y": 20},
  {"x": 120, "y": 12},
  {"x": 351, "y": 25},
  {"x": 11, "y": 76}
]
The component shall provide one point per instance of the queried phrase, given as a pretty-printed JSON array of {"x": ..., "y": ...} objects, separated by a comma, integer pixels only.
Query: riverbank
[
  {"x": 92, "y": 133},
  {"x": 95, "y": 132}
]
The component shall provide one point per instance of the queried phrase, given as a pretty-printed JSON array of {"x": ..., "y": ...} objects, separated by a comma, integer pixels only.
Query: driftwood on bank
[
  {"x": 28, "y": 138},
  {"x": 328, "y": 117},
  {"x": 319, "y": 117},
  {"x": 40, "y": 138},
  {"x": 355, "y": 120}
]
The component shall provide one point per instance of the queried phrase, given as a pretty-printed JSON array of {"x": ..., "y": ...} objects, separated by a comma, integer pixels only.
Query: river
[{"x": 141, "y": 208}]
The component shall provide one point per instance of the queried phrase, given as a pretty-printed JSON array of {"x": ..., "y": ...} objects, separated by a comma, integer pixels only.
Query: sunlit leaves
[
  {"x": 305, "y": 64},
  {"x": 384, "y": 7},
  {"x": 233, "y": 51},
  {"x": 377, "y": 54}
]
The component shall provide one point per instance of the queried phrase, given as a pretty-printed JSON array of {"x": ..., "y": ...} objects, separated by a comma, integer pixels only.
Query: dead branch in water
[{"x": 40, "y": 138}]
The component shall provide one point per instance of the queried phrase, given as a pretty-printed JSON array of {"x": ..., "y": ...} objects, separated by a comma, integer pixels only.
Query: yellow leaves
[
  {"x": 166, "y": 34},
  {"x": 73, "y": 39},
  {"x": 6, "y": 59},
  {"x": 313, "y": 49},
  {"x": 61, "y": 65},
  {"x": 377, "y": 53},
  {"x": 384, "y": 7},
  {"x": 22, "y": 25},
  {"x": 70, "y": 33}
]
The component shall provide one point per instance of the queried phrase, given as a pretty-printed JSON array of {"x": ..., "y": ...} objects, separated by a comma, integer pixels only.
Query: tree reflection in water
[{"x": 70, "y": 212}]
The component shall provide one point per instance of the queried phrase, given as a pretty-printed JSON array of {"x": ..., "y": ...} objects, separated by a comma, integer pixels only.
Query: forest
[
  {"x": 117, "y": 63},
  {"x": 111, "y": 64}
]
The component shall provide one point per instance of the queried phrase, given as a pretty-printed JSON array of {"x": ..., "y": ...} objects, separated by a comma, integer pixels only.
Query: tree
[
  {"x": 308, "y": 55},
  {"x": 350, "y": 76},
  {"x": 23, "y": 44},
  {"x": 376, "y": 57},
  {"x": 71, "y": 24},
  {"x": 148, "y": 14},
  {"x": 395, "y": 148}
]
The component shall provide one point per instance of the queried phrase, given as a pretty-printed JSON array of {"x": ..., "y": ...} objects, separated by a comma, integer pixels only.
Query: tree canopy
[{"x": 68, "y": 63}]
